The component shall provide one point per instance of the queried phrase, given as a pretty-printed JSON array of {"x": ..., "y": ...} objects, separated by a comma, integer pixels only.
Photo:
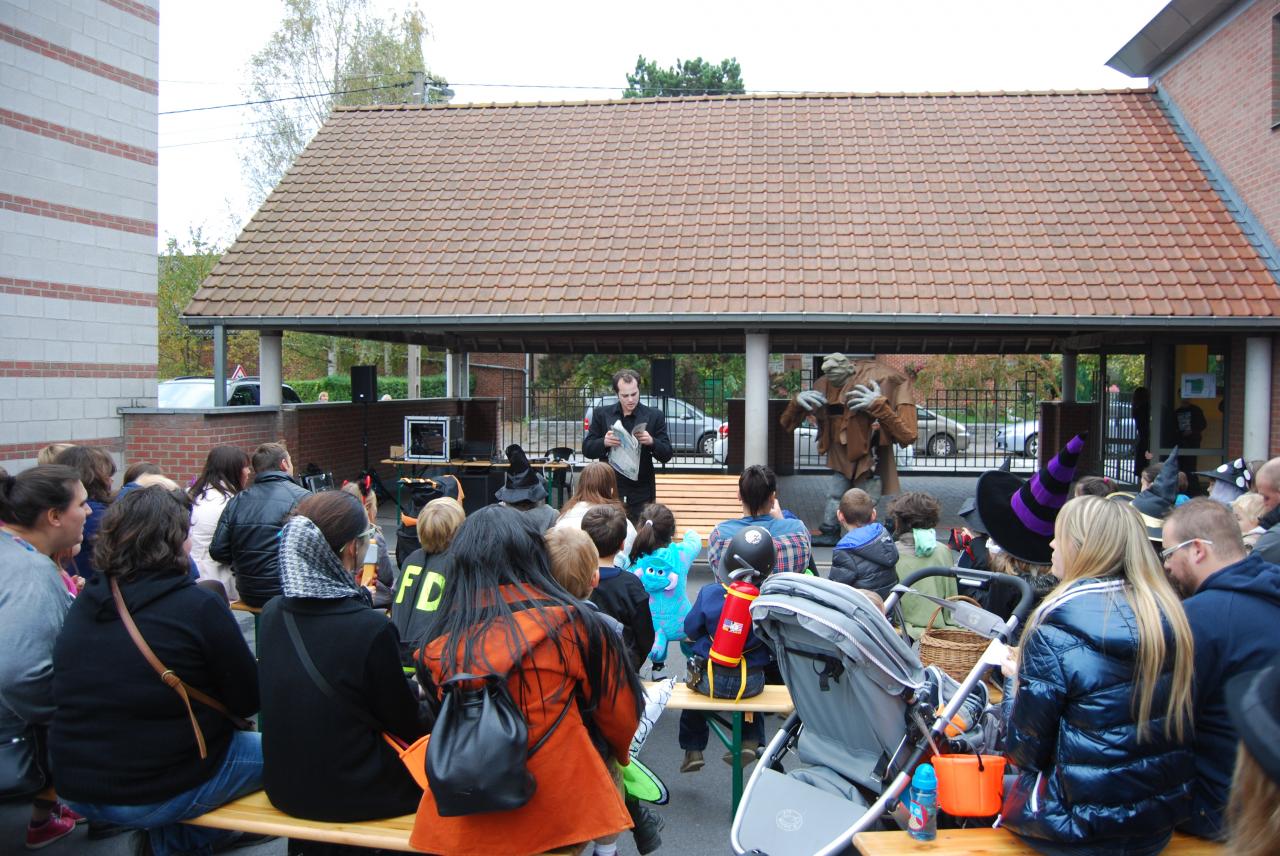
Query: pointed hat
[{"x": 1018, "y": 514}]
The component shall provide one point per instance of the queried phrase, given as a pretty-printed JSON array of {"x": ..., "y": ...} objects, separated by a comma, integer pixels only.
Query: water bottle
[{"x": 922, "y": 825}]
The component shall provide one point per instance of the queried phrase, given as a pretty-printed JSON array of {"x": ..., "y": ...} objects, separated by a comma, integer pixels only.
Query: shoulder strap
[
  {"x": 323, "y": 684},
  {"x": 170, "y": 677}
]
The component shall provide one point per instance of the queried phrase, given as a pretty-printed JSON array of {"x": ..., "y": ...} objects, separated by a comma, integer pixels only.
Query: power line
[{"x": 287, "y": 98}]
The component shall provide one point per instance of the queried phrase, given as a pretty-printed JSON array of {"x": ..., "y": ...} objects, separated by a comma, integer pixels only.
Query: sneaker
[
  {"x": 751, "y": 752},
  {"x": 64, "y": 810},
  {"x": 648, "y": 828},
  {"x": 50, "y": 831},
  {"x": 692, "y": 761},
  {"x": 656, "y": 668}
]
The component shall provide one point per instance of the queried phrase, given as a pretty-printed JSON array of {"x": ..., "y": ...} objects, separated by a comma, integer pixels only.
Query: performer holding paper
[{"x": 613, "y": 427}]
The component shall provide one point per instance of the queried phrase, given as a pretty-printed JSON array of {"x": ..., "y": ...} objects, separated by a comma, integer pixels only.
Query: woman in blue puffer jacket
[{"x": 1101, "y": 719}]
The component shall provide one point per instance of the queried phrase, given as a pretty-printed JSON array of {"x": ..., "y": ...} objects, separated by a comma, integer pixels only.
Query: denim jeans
[
  {"x": 694, "y": 731},
  {"x": 240, "y": 774}
]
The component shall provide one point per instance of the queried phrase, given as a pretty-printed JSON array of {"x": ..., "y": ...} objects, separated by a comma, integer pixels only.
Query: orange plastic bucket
[{"x": 970, "y": 785}]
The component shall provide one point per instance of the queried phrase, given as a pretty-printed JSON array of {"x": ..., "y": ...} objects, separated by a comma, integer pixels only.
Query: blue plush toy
[{"x": 665, "y": 573}]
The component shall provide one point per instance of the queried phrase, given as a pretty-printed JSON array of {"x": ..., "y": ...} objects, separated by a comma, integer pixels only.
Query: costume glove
[
  {"x": 861, "y": 397},
  {"x": 811, "y": 399}
]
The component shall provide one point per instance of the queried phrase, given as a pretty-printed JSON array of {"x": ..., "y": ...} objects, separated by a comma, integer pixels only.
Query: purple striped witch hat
[{"x": 1019, "y": 514}]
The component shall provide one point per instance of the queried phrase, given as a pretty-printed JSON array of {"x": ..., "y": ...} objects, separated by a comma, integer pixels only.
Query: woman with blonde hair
[
  {"x": 597, "y": 485},
  {"x": 1253, "y": 701},
  {"x": 1101, "y": 722}
]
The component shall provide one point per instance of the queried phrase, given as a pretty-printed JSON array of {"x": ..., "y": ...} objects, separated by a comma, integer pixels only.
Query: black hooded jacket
[
  {"x": 120, "y": 736},
  {"x": 1233, "y": 617}
]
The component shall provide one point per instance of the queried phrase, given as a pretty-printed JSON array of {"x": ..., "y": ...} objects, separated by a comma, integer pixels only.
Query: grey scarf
[{"x": 308, "y": 565}]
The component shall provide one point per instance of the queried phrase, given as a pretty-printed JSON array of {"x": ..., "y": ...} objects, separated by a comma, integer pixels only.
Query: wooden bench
[
  {"x": 699, "y": 501},
  {"x": 255, "y": 814},
  {"x": 993, "y": 842},
  {"x": 774, "y": 699}
]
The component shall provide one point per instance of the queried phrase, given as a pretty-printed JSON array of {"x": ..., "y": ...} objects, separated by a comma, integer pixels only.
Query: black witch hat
[{"x": 522, "y": 483}]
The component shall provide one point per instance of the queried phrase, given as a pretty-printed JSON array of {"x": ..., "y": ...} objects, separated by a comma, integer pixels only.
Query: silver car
[
  {"x": 183, "y": 393},
  {"x": 689, "y": 429}
]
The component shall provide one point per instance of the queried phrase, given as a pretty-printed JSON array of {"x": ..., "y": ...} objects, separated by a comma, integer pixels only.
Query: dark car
[{"x": 196, "y": 393}]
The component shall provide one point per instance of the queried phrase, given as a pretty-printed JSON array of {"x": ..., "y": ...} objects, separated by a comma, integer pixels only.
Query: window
[{"x": 242, "y": 397}]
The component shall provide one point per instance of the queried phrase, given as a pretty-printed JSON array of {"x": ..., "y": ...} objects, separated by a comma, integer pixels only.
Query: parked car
[
  {"x": 1023, "y": 438},
  {"x": 196, "y": 393},
  {"x": 689, "y": 429},
  {"x": 939, "y": 436}
]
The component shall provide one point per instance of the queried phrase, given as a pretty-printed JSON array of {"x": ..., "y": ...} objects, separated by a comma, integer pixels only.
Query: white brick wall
[{"x": 37, "y": 410}]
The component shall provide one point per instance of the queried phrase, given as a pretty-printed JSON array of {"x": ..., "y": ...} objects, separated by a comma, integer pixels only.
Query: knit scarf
[{"x": 308, "y": 565}]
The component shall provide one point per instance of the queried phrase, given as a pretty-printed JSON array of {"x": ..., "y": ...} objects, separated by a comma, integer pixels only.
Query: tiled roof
[{"x": 1006, "y": 206}]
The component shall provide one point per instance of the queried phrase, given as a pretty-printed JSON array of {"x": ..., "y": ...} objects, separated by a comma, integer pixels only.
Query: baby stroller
[{"x": 865, "y": 711}]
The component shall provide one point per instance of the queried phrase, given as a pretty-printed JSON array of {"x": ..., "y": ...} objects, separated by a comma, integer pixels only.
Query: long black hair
[
  {"x": 500, "y": 546},
  {"x": 223, "y": 471}
]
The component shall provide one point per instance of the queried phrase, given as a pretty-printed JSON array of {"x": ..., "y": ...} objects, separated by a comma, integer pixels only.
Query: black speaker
[
  {"x": 478, "y": 489},
  {"x": 662, "y": 377},
  {"x": 364, "y": 383}
]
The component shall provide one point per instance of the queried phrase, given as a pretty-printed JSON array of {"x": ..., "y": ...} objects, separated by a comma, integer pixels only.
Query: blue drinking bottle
[{"x": 922, "y": 823}]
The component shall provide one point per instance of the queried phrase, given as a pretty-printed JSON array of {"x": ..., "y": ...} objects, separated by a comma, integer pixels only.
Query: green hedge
[{"x": 339, "y": 387}]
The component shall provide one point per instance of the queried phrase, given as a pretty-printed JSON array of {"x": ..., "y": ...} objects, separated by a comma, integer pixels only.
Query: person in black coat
[
  {"x": 331, "y": 677},
  {"x": 619, "y": 593},
  {"x": 125, "y": 748},
  {"x": 865, "y": 557},
  {"x": 654, "y": 443},
  {"x": 248, "y": 534}
]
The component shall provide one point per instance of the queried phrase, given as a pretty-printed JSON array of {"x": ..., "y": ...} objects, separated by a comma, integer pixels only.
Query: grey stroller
[{"x": 865, "y": 711}]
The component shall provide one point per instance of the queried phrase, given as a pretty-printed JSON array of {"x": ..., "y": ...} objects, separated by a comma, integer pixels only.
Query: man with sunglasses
[{"x": 1232, "y": 601}]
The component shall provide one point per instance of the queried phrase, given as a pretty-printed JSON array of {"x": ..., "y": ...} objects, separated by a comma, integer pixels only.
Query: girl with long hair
[
  {"x": 226, "y": 472},
  {"x": 1101, "y": 721},
  {"x": 503, "y": 613},
  {"x": 597, "y": 485},
  {"x": 663, "y": 567},
  {"x": 97, "y": 469}
]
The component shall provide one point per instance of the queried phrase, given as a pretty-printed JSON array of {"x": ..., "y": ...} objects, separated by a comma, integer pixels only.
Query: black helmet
[{"x": 749, "y": 556}]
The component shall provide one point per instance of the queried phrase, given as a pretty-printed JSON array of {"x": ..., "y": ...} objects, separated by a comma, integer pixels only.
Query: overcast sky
[{"x": 504, "y": 51}]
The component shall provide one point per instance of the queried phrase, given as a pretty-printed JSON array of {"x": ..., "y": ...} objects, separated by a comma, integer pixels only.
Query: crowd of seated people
[{"x": 1140, "y": 700}]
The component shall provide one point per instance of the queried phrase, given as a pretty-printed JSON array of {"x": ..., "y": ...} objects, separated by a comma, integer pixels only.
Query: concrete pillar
[
  {"x": 457, "y": 374},
  {"x": 414, "y": 371},
  {"x": 1069, "y": 376},
  {"x": 219, "y": 366},
  {"x": 755, "y": 429},
  {"x": 270, "y": 367},
  {"x": 1257, "y": 398}
]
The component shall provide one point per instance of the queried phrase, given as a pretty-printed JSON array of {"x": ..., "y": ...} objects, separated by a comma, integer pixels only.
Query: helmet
[{"x": 749, "y": 556}]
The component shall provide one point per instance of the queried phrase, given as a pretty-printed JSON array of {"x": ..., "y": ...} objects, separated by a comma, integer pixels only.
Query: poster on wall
[{"x": 1199, "y": 385}]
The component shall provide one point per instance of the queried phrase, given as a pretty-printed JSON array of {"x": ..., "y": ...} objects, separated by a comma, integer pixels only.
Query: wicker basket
[{"x": 955, "y": 651}]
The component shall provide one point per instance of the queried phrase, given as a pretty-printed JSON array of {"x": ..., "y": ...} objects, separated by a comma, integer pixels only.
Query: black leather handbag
[{"x": 477, "y": 758}]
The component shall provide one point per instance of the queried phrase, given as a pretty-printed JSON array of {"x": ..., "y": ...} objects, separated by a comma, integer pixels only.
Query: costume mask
[{"x": 838, "y": 368}]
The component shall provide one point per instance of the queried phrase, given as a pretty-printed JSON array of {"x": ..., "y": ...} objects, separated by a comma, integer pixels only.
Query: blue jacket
[
  {"x": 865, "y": 558},
  {"x": 1083, "y": 777},
  {"x": 1233, "y": 616},
  {"x": 700, "y": 627}
]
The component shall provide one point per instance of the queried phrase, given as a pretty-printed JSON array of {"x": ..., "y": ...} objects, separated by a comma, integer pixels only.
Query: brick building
[
  {"x": 1215, "y": 67},
  {"x": 78, "y": 131}
]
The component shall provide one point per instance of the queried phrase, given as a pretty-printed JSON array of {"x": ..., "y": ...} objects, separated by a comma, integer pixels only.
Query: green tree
[
  {"x": 686, "y": 77},
  {"x": 183, "y": 351},
  {"x": 325, "y": 47}
]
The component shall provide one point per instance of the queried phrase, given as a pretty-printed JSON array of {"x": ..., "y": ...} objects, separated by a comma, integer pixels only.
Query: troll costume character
[{"x": 665, "y": 574}]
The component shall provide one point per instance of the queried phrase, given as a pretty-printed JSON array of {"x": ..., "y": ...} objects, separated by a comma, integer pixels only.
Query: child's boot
[{"x": 692, "y": 761}]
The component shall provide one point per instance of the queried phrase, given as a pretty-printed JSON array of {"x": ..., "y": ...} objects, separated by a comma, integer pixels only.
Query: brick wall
[
  {"x": 78, "y": 155},
  {"x": 500, "y": 376},
  {"x": 328, "y": 435},
  {"x": 1223, "y": 88}
]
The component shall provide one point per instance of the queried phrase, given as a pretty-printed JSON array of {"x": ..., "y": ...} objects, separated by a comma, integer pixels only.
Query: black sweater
[
  {"x": 320, "y": 762},
  {"x": 122, "y": 737},
  {"x": 622, "y": 595}
]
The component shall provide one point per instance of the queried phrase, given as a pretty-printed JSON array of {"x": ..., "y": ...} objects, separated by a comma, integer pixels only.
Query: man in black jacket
[
  {"x": 247, "y": 537},
  {"x": 654, "y": 443}
]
